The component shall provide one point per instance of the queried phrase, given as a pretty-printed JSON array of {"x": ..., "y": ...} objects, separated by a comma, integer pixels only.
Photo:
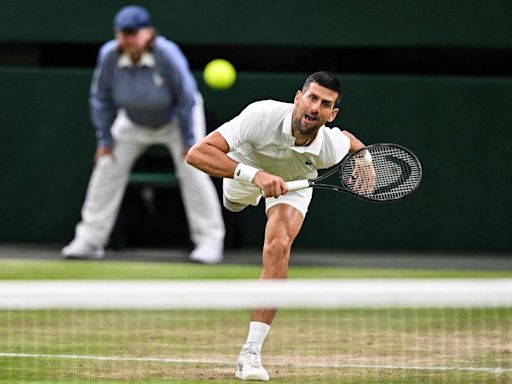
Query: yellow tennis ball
[{"x": 219, "y": 74}]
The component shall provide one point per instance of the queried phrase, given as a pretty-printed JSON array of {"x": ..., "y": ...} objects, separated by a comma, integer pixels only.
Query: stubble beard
[{"x": 303, "y": 130}]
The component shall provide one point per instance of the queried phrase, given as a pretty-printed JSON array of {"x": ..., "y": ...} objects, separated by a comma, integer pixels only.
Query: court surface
[
  {"x": 390, "y": 345},
  {"x": 302, "y": 257}
]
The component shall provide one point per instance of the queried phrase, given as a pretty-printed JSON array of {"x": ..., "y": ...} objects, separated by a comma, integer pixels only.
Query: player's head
[
  {"x": 327, "y": 80},
  {"x": 132, "y": 25},
  {"x": 316, "y": 104}
]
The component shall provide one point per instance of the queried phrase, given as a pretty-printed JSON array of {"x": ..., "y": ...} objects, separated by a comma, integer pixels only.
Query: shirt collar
[
  {"x": 314, "y": 147},
  {"x": 146, "y": 60},
  {"x": 287, "y": 126}
]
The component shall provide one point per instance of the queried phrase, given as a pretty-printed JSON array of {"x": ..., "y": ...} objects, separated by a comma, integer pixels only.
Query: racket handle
[{"x": 297, "y": 184}]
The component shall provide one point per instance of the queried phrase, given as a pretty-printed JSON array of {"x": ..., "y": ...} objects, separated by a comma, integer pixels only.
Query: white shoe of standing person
[
  {"x": 248, "y": 365},
  {"x": 79, "y": 249},
  {"x": 207, "y": 254}
]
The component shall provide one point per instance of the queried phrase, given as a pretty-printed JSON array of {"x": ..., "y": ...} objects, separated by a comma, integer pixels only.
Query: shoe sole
[
  {"x": 203, "y": 261},
  {"x": 96, "y": 256},
  {"x": 255, "y": 377},
  {"x": 73, "y": 257}
]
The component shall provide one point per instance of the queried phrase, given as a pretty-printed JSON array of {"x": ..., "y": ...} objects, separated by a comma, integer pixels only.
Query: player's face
[
  {"x": 134, "y": 42},
  {"x": 313, "y": 108}
]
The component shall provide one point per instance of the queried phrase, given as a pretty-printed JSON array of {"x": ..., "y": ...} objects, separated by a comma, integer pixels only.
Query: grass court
[{"x": 463, "y": 345}]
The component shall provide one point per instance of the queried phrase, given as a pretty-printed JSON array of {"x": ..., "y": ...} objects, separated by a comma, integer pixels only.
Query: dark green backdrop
[
  {"x": 460, "y": 127},
  {"x": 469, "y": 23}
]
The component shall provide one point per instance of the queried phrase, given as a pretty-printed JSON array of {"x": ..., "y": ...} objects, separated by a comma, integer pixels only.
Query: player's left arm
[
  {"x": 364, "y": 173},
  {"x": 355, "y": 143}
]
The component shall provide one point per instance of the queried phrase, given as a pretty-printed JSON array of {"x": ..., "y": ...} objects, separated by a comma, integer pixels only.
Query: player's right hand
[{"x": 270, "y": 185}]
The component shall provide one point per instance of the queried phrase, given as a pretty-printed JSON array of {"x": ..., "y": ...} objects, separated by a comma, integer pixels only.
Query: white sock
[{"x": 257, "y": 333}]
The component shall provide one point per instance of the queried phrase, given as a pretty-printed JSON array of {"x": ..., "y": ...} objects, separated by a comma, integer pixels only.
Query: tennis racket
[{"x": 392, "y": 173}]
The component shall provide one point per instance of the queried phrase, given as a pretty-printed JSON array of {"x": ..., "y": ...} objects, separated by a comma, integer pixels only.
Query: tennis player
[{"x": 268, "y": 143}]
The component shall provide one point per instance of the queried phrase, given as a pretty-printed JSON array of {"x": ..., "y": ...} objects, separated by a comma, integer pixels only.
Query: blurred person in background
[{"x": 143, "y": 93}]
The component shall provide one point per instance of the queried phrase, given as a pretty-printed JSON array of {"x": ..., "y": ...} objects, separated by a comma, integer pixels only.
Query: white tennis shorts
[{"x": 249, "y": 194}]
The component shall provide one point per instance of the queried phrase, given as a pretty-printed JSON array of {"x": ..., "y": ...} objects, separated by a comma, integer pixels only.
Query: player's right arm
[{"x": 210, "y": 156}]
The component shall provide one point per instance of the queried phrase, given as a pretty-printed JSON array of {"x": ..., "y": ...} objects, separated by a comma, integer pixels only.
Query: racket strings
[{"x": 397, "y": 174}]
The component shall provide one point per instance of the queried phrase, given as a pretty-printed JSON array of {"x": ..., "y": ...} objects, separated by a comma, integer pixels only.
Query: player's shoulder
[
  {"x": 270, "y": 104},
  {"x": 266, "y": 113},
  {"x": 332, "y": 132},
  {"x": 270, "y": 108},
  {"x": 335, "y": 144},
  {"x": 333, "y": 136}
]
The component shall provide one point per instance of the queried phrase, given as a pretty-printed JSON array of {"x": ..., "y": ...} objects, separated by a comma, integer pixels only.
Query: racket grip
[{"x": 297, "y": 184}]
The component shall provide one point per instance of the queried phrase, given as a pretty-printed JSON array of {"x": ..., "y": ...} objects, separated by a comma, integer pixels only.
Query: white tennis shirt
[{"x": 261, "y": 136}]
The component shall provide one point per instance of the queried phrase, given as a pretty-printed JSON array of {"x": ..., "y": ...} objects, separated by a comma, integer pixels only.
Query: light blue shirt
[{"x": 152, "y": 93}]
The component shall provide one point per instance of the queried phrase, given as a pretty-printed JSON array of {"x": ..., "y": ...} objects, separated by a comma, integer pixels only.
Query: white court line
[{"x": 231, "y": 362}]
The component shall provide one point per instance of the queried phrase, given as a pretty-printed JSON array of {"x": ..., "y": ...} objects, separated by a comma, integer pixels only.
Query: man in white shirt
[{"x": 269, "y": 143}]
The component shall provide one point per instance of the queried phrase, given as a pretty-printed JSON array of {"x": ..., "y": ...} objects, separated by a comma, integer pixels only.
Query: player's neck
[
  {"x": 303, "y": 140},
  {"x": 300, "y": 143}
]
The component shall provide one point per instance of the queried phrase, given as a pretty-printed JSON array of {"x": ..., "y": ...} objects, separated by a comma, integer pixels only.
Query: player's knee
[
  {"x": 278, "y": 252},
  {"x": 279, "y": 244}
]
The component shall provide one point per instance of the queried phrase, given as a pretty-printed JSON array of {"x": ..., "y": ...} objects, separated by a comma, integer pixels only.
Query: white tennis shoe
[
  {"x": 207, "y": 254},
  {"x": 79, "y": 249},
  {"x": 248, "y": 365}
]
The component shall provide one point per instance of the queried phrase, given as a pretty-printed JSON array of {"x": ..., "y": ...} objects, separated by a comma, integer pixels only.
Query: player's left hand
[{"x": 363, "y": 178}]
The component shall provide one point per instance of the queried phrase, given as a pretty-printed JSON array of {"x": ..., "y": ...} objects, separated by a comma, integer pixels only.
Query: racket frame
[{"x": 315, "y": 183}]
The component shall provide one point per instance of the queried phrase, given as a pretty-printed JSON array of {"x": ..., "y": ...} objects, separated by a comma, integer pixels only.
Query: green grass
[
  {"x": 305, "y": 340},
  {"x": 303, "y": 347},
  {"x": 59, "y": 269}
]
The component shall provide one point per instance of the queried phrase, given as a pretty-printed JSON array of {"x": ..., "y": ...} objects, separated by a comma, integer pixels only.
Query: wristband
[
  {"x": 244, "y": 172},
  {"x": 364, "y": 160}
]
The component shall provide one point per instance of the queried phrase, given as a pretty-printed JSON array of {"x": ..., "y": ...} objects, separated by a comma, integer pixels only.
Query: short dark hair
[{"x": 327, "y": 80}]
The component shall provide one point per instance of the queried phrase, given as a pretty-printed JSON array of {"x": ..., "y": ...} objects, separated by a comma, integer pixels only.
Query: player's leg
[
  {"x": 285, "y": 216},
  {"x": 283, "y": 225},
  {"x": 103, "y": 198}
]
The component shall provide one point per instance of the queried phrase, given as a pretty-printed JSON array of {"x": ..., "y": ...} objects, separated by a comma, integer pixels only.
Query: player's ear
[
  {"x": 297, "y": 97},
  {"x": 333, "y": 115}
]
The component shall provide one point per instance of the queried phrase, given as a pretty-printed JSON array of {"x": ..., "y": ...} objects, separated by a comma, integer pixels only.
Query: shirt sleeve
[
  {"x": 246, "y": 129},
  {"x": 102, "y": 108},
  {"x": 338, "y": 147},
  {"x": 184, "y": 89}
]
